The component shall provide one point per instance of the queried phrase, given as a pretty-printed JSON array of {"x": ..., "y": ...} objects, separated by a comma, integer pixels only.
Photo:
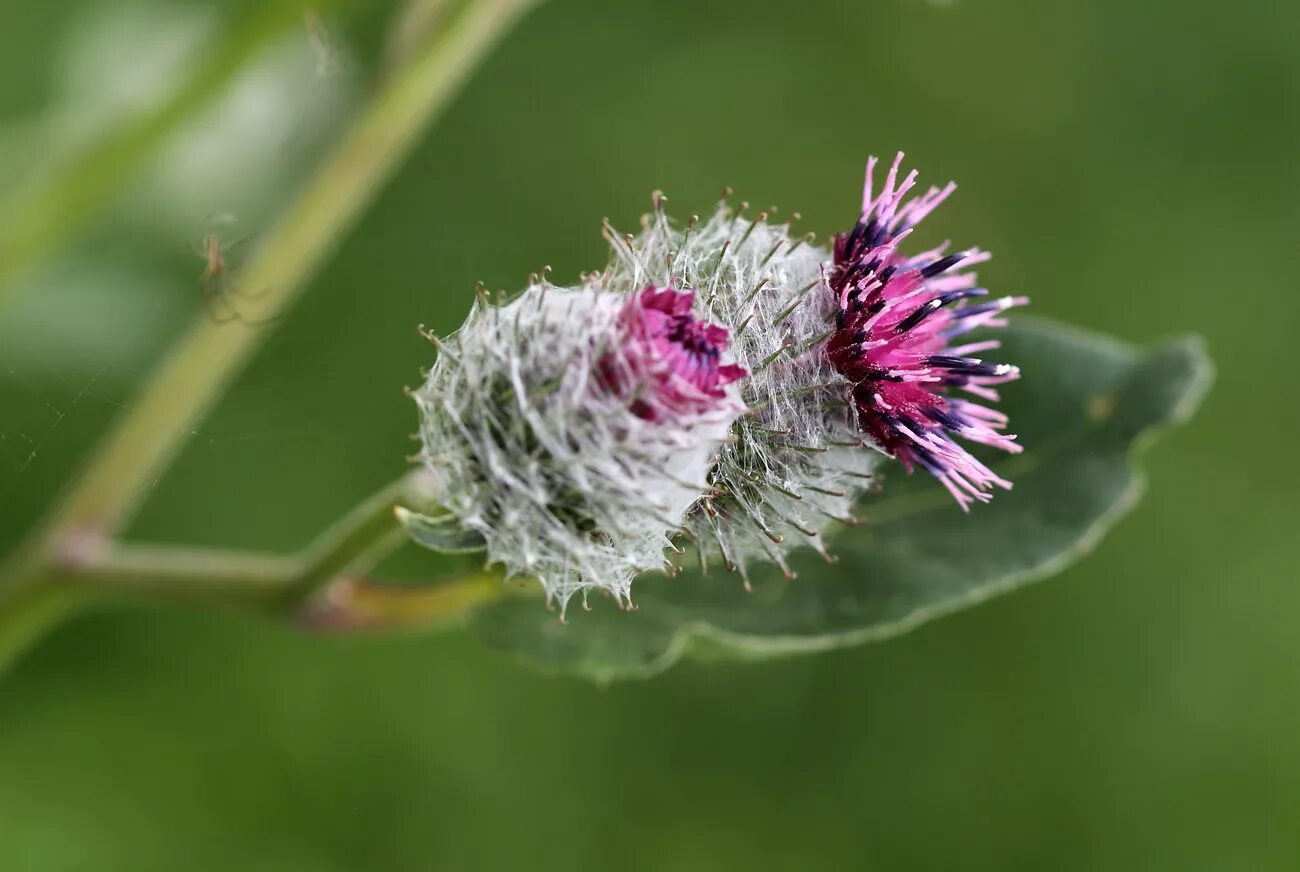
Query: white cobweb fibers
[
  {"x": 798, "y": 461},
  {"x": 561, "y": 478}
]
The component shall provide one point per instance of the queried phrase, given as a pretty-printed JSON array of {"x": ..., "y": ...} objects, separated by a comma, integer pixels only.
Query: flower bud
[
  {"x": 795, "y": 463},
  {"x": 573, "y": 429}
]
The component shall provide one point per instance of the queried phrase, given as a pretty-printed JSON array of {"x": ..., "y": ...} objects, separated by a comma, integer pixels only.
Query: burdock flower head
[
  {"x": 897, "y": 316},
  {"x": 580, "y": 431},
  {"x": 573, "y": 428},
  {"x": 795, "y": 463}
]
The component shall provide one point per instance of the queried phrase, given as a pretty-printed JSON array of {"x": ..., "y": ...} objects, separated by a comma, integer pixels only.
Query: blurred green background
[{"x": 1132, "y": 166}]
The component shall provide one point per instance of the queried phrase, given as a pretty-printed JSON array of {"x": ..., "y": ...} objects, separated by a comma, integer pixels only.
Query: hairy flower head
[
  {"x": 574, "y": 427},
  {"x": 795, "y": 463},
  {"x": 579, "y": 430}
]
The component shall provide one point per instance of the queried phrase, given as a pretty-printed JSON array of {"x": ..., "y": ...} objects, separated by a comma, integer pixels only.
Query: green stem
[
  {"x": 241, "y": 580},
  {"x": 360, "y": 606},
  {"x": 411, "y": 26},
  {"x": 162, "y": 573},
  {"x": 369, "y": 533},
  {"x": 267, "y": 584},
  {"x": 322, "y": 587},
  {"x": 92, "y": 570}
]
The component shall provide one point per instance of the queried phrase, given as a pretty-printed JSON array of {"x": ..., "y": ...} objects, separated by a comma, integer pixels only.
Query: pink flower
[
  {"x": 669, "y": 362},
  {"x": 898, "y": 315}
]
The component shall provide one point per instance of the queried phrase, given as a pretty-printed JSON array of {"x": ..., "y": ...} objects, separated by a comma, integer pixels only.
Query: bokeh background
[{"x": 1131, "y": 165}]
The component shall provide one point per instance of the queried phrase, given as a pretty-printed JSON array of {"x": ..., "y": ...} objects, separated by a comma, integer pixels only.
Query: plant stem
[
  {"x": 92, "y": 570},
  {"x": 360, "y": 606},
  {"x": 321, "y": 587},
  {"x": 241, "y": 580},
  {"x": 161, "y": 573},
  {"x": 411, "y": 26},
  {"x": 355, "y": 544}
]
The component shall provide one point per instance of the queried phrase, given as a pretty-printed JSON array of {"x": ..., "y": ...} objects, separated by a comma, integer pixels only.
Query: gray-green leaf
[{"x": 1083, "y": 409}]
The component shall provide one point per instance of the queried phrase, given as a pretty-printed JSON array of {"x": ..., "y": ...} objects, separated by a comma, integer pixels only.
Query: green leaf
[
  {"x": 439, "y": 533},
  {"x": 1084, "y": 411}
]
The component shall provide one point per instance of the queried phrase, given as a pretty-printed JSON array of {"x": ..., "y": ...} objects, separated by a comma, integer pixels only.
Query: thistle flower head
[
  {"x": 795, "y": 463},
  {"x": 897, "y": 316},
  {"x": 573, "y": 428},
  {"x": 579, "y": 430}
]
